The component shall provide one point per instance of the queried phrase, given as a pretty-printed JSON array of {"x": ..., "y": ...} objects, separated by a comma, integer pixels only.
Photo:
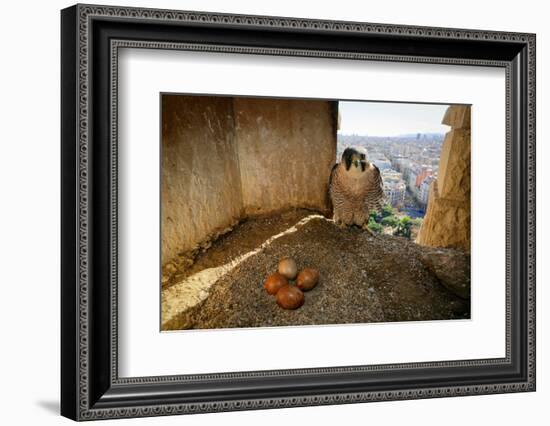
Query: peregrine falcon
[{"x": 355, "y": 189}]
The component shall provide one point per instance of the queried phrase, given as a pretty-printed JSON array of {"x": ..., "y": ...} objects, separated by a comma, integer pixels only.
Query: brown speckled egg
[
  {"x": 288, "y": 268},
  {"x": 290, "y": 297},
  {"x": 274, "y": 282},
  {"x": 307, "y": 279}
]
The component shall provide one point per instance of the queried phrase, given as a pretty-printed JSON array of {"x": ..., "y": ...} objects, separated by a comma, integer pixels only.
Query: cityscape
[{"x": 408, "y": 164}]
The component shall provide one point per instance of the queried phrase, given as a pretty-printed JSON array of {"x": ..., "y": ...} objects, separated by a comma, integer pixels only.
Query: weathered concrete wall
[
  {"x": 200, "y": 188},
  {"x": 447, "y": 220},
  {"x": 227, "y": 158},
  {"x": 286, "y": 151}
]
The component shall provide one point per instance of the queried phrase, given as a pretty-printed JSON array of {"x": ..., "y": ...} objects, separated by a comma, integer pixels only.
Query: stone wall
[
  {"x": 286, "y": 151},
  {"x": 225, "y": 158},
  {"x": 447, "y": 220},
  {"x": 199, "y": 169}
]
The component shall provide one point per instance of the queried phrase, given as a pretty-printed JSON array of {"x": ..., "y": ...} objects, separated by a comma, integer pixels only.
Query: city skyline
[{"x": 390, "y": 118}]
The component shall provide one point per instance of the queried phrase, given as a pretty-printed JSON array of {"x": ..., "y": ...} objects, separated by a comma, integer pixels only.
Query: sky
[{"x": 390, "y": 118}]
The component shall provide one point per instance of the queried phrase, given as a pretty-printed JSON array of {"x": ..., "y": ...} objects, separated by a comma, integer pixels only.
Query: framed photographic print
[{"x": 263, "y": 212}]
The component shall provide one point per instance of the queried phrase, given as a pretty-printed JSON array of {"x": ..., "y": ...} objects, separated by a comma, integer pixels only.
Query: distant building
[
  {"x": 406, "y": 168},
  {"x": 424, "y": 191},
  {"x": 395, "y": 194},
  {"x": 401, "y": 164},
  {"x": 380, "y": 160},
  {"x": 425, "y": 171},
  {"x": 394, "y": 187},
  {"x": 412, "y": 178},
  {"x": 383, "y": 165}
]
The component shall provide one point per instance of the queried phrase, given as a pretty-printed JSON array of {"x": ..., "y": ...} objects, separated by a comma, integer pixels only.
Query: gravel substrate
[{"x": 364, "y": 278}]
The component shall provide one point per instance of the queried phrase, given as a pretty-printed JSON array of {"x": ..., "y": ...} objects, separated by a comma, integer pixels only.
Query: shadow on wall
[{"x": 228, "y": 158}]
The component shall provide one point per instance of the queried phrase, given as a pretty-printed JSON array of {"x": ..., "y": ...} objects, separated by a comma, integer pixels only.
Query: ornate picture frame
[{"x": 90, "y": 39}]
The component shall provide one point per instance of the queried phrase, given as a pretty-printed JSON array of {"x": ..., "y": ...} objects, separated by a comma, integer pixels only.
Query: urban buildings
[
  {"x": 394, "y": 187},
  {"x": 408, "y": 165}
]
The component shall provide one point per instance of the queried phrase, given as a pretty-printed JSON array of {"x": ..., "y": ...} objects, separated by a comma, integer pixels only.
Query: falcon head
[{"x": 355, "y": 157}]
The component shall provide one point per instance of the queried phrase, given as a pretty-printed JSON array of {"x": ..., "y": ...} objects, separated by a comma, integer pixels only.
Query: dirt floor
[
  {"x": 364, "y": 278},
  {"x": 245, "y": 236}
]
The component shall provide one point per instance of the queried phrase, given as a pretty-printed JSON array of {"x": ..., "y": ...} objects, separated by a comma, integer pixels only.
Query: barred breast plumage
[{"x": 355, "y": 191}]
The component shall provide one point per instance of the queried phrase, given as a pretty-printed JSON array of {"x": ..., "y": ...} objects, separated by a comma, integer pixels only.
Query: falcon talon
[{"x": 341, "y": 225}]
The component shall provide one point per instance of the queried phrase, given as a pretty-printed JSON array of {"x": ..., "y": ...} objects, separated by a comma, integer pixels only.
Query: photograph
[
  {"x": 272, "y": 208},
  {"x": 281, "y": 212}
]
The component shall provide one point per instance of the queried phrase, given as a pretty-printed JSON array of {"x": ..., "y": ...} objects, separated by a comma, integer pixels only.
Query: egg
[
  {"x": 290, "y": 297},
  {"x": 274, "y": 282},
  {"x": 307, "y": 279},
  {"x": 288, "y": 268}
]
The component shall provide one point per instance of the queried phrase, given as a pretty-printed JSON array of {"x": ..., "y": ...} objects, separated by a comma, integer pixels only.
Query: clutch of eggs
[{"x": 290, "y": 296}]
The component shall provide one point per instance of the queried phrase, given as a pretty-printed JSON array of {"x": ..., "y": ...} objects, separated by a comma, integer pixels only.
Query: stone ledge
[{"x": 364, "y": 279}]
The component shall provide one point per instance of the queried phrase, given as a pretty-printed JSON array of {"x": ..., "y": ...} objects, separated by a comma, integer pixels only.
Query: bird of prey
[{"x": 355, "y": 189}]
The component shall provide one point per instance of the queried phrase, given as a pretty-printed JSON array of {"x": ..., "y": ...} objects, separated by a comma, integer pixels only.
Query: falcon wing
[
  {"x": 331, "y": 175},
  {"x": 375, "y": 195}
]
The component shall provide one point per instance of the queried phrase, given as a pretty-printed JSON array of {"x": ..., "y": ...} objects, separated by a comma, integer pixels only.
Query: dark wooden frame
[{"x": 90, "y": 386}]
